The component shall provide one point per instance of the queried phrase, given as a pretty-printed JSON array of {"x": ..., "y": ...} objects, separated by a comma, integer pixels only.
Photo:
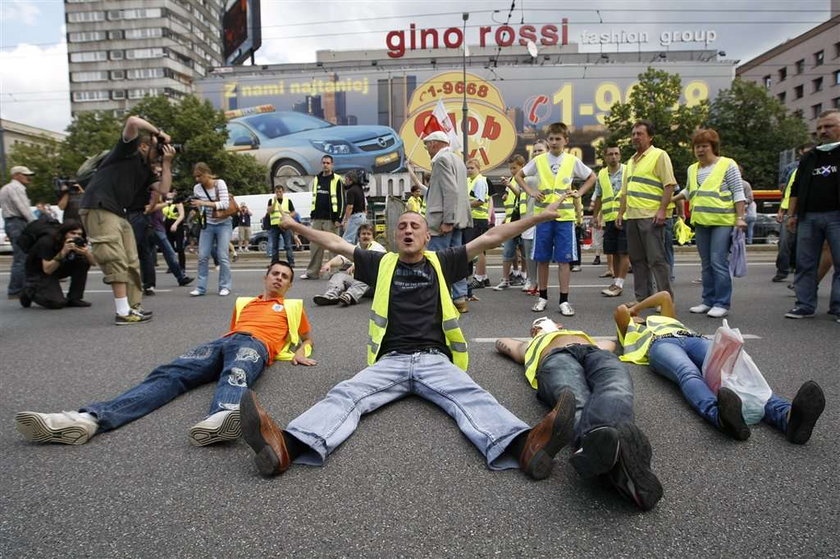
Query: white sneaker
[
  {"x": 540, "y": 305},
  {"x": 504, "y": 284},
  {"x": 566, "y": 309},
  {"x": 528, "y": 287},
  {"x": 196, "y": 293},
  {"x": 224, "y": 292},
  {"x": 717, "y": 312},
  {"x": 221, "y": 426},
  {"x": 305, "y": 275},
  {"x": 699, "y": 309},
  {"x": 67, "y": 427}
]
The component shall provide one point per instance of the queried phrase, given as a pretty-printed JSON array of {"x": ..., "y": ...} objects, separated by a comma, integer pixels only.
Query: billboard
[{"x": 241, "y": 30}]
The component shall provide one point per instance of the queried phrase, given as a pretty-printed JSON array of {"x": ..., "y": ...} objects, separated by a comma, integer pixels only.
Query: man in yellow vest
[
  {"x": 555, "y": 240},
  {"x": 606, "y": 441},
  {"x": 605, "y": 211},
  {"x": 785, "y": 256},
  {"x": 261, "y": 329},
  {"x": 278, "y": 206},
  {"x": 646, "y": 193},
  {"x": 326, "y": 211},
  {"x": 479, "y": 208},
  {"x": 415, "y": 346}
]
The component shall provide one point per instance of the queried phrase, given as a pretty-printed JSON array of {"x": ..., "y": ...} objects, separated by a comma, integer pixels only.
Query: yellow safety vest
[
  {"x": 609, "y": 199},
  {"x": 277, "y": 210},
  {"x": 786, "y": 199},
  {"x": 379, "y": 311},
  {"x": 637, "y": 340},
  {"x": 170, "y": 211},
  {"x": 294, "y": 311},
  {"x": 535, "y": 348},
  {"x": 334, "y": 186},
  {"x": 417, "y": 205},
  {"x": 511, "y": 201},
  {"x": 644, "y": 189},
  {"x": 709, "y": 204},
  {"x": 478, "y": 212},
  {"x": 553, "y": 186}
]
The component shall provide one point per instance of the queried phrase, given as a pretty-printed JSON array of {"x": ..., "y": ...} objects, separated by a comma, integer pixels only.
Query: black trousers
[
  {"x": 140, "y": 224},
  {"x": 177, "y": 240},
  {"x": 46, "y": 291}
]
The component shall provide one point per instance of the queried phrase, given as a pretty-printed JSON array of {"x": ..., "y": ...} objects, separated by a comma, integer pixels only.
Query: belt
[{"x": 14, "y": 217}]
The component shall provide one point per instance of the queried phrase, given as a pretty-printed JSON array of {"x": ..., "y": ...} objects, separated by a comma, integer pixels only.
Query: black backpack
[
  {"x": 89, "y": 167},
  {"x": 34, "y": 230}
]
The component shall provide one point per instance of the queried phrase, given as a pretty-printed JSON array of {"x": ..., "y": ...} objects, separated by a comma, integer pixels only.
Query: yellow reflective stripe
[
  {"x": 450, "y": 324},
  {"x": 646, "y": 195},
  {"x": 644, "y": 338},
  {"x": 643, "y": 180},
  {"x": 541, "y": 341},
  {"x": 380, "y": 321},
  {"x": 712, "y": 210}
]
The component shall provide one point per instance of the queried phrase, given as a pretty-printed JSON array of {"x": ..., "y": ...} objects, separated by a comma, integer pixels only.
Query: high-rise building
[{"x": 122, "y": 50}]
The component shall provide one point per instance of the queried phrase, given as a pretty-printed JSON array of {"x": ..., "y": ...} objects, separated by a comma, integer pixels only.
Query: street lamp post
[{"x": 465, "y": 16}]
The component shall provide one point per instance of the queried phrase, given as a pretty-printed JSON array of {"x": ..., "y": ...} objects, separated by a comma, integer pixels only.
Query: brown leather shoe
[
  {"x": 462, "y": 305},
  {"x": 263, "y": 436},
  {"x": 547, "y": 437}
]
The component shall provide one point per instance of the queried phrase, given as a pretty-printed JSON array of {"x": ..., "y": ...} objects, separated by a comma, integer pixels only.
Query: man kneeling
[
  {"x": 607, "y": 441},
  {"x": 262, "y": 329}
]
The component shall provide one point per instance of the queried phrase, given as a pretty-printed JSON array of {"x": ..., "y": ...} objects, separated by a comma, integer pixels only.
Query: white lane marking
[
  {"x": 596, "y": 338},
  {"x": 109, "y": 291}
]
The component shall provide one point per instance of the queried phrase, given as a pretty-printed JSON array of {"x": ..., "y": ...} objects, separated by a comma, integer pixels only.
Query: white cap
[
  {"x": 437, "y": 136},
  {"x": 20, "y": 170}
]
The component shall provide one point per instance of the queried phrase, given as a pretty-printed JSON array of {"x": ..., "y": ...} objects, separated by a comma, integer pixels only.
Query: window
[
  {"x": 138, "y": 54},
  {"x": 798, "y": 91},
  {"x": 86, "y": 96},
  {"x": 116, "y": 55},
  {"x": 797, "y": 113},
  {"x": 89, "y": 76},
  {"x": 817, "y": 83},
  {"x": 117, "y": 74},
  {"x": 816, "y": 110},
  {"x": 80, "y": 17},
  {"x": 140, "y": 93},
  {"x": 86, "y": 36},
  {"x": 782, "y": 74},
  {"x": 836, "y": 50},
  {"x": 819, "y": 58},
  {"x": 89, "y": 56},
  {"x": 781, "y": 97},
  {"x": 835, "y": 102},
  {"x": 116, "y": 35},
  {"x": 837, "y": 77},
  {"x": 767, "y": 82},
  {"x": 117, "y": 94},
  {"x": 136, "y": 13},
  {"x": 800, "y": 66},
  {"x": 145, "y": 33},
  {"x": 145, "y": 73}
]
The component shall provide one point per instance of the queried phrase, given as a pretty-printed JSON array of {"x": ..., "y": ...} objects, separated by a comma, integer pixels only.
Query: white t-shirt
[
  {"x": 479, "y": 189},
  {"x": 532, "y": 182}
]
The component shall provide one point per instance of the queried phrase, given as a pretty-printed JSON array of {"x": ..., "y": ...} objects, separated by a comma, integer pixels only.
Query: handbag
[{"x": 233, "y": 207}]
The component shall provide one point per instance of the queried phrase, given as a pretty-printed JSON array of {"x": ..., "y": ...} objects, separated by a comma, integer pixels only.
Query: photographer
[
  {"x": 69, "y": 199},
  {"x": 52, "y": 258},
  {"x": 124, "y": 174},
  {"x": 175, "y": 224}
]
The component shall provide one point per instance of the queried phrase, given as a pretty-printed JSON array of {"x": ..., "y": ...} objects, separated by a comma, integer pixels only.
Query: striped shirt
[
  {"x": 218, "y": 194},
  {"x": 731, "y": 180}
]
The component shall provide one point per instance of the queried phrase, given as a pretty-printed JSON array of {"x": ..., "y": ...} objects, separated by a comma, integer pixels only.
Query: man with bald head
[{"x": 415, "y": 346}]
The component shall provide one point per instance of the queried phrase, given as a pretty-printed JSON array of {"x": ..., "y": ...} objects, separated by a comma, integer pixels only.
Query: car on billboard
[{"x": 292, "y": 144}]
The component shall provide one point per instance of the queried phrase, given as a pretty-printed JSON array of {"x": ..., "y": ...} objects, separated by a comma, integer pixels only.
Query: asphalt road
[{"x": 407, "y": 483}]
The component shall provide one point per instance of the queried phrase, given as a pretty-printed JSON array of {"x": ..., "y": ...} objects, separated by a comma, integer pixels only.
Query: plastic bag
[
  {"x": 683, "y": 232},
  {"x": 738, "y": 254},
  {"x": 722, "y": 354},
  {"x": 746, "y": 380}
]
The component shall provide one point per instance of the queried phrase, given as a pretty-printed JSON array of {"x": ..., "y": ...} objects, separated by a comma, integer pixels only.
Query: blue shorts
[
  {"x": 555, "y": 242},
  {"x": 509, "y": 248}
]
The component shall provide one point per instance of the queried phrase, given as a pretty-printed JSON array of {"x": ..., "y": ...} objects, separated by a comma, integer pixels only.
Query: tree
[
  {"x": 88, "y": 134},
  {"x": 754, "y": 127},
  {"x": 656, "y": 98}
]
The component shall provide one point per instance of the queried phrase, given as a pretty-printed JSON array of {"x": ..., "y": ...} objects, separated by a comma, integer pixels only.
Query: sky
[{"x": 33, "y": 55}]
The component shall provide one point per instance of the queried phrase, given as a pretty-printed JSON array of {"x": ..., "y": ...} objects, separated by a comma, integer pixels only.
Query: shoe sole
[
  {"x": 600, "y": 452},
  {"x": 730, "y": 416},
  {"x": 322, "y": 301},
  {"x": 567, "y": 314},
  {"x": 634, "y": 455},
  {"x": 562, "y": 432},
  {"x": 611, "y": 293},
  {"x": 809, "y": 404},
  {"x": 265, "y": 458},
  {"x": 229, "y": 430},
  {"x": 798, "y": 316},
  {"x": 119, "y": 323},
  {"x": 35, "y": 429}
]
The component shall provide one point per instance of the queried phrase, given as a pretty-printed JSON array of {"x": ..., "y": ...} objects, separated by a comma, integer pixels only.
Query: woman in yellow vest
[
  {"x": 677, "y": 353},
  {"x": 716, "y": 198}
]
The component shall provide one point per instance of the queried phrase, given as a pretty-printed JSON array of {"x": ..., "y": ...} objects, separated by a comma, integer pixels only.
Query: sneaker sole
[
  {"x": 126, "y": 323},
  {"x": 31, "y": 426},
  {"x": 730, "y": 416},
  {"x": 809, "y": 403},
  {"x": 229, "y": 430},
  {"x": 600, "y": 451},
  {"x": 265, "y": 458},
  {"x": 562, "y": 433},
  {"x": 634, "y": 452},
  {"x": 322, "y": 301},
  {"x": 798, "y": 316}
]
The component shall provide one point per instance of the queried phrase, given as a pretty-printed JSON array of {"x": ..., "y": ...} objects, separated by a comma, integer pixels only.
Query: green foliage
[
  {"x": 44, "y": 161},
  {"x": 754, "y": 127},
  {"x": 89, "y": 134},
  {"x": 657, "y": 98}
]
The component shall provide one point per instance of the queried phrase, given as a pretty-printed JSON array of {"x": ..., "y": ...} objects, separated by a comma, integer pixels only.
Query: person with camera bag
[
  {"x": 54, "y": 257},
  {"x": 212, "y": 199},
  {"x": 124, "y": 172}
]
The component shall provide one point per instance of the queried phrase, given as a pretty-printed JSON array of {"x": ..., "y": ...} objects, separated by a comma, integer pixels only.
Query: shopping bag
[
  {"x": 722, "y": 354},
  {"x": 746, "y": 380},
  {"x": 738, "y": 254}
]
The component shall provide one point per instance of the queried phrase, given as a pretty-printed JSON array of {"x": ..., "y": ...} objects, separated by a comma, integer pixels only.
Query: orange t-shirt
[{"x": 266, "y": 320}]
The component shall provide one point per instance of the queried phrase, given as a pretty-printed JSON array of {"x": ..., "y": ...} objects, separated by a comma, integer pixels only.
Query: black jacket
[{"x": 802, "y": 183}]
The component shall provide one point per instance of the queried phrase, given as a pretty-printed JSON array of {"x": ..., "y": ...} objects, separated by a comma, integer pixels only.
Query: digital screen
[{"x": 241, "y": 33}]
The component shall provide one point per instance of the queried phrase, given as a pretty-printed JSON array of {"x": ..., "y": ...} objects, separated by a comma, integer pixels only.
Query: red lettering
[
  {"x": 459, "y": 37},
  {"x": 395, "y": 49},
  {"x": 527, "y": 33},
  {"x": 420, "y": 122},
  {"x": 452, "y": 120},
  {"x": 412, "y": 28},
  {"x": 484, "y": 156},
  {"x": 503, "y": 41},
  {"x": 565, "y": 25},
  {"x": 482, "y": 35},
  {"x": 492, "y": 129},
  {"x": 472, "y": 126},
  {"x": 424, "y": 33},
  {"x": 549, "y": 35}
]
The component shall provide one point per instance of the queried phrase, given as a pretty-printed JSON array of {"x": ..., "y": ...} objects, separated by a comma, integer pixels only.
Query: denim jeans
[
  {"x": 785, "y": 257},
  {"x": 351, "y": 232},
  {"x": 235, "y": 362},
  {"x": 221, "y": 233},
  {"x": 680, "y": 360},
  {"x": 812, "y": 232},
  {"x": 342, "y": 282},
  {"x": 601, "y": 383},
  {"x": 13, "y": 227},
  {"x": 275, "y": 236},
  {"x": 452, "y": 239},
  {"x": 430, "y": 375},
  {"x": 161, "y": 240},
  {"x": 713, "y": 244}
]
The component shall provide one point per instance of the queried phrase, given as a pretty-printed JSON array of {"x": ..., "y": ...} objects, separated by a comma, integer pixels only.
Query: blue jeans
[
  {"x": 680, "y": 359},
  {"x": 785, "y": 258},
  {"x": 713, "y": 245},
  {"x": 13, "y": 227},
  {"x": 235, "y": 362},
  {"x": 452, "y": 239},
  {"x": 602, "y": 386},
  {"x": 221, "y": 233},
  {"x": 162, "y": 241},
  {"x": 275, "y": 236},
  {"x": 812, "y": 232},
  {"x": 430, "y": 375},
  {"x": 351, "y": 232}
]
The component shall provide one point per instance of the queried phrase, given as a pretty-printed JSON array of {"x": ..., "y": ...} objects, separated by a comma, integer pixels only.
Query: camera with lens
[
  {"x": 179, "y": 148},
  {"x": 79, "y": 241},
  {"x": 183, "y": 198},
  {"x": 62, "y": 185}
]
